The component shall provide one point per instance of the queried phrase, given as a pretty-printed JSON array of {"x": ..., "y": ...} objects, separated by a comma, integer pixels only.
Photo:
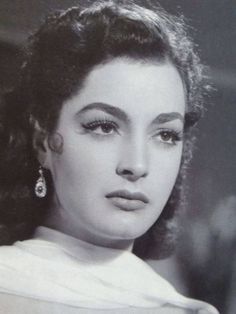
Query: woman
[{"x": 97, "y": 139}]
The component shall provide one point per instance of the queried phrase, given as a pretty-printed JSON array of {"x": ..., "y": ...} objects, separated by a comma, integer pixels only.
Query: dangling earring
[{"x": 40, "y": 186}]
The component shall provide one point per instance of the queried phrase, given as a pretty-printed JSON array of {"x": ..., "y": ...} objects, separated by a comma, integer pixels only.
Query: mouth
[{"x": 128, "y": 201}]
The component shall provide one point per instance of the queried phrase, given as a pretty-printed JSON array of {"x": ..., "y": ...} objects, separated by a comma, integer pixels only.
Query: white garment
[{"x": 59, "y": 268}]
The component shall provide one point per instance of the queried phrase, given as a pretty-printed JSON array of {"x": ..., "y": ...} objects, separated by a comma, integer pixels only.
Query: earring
[{"x": 40, "y": 186}]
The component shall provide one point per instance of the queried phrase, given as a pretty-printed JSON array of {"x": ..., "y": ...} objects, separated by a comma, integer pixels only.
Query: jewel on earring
[{"x": 40, "y": 186}]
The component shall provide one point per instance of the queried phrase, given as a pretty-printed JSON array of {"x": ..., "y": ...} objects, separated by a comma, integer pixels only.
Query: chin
[
  {"x": 133, "y": 229},
  {"x": 128, "y": 233}
]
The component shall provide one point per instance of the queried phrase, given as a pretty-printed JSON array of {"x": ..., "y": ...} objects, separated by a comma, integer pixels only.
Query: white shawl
[{"x": 59, "y": 268}]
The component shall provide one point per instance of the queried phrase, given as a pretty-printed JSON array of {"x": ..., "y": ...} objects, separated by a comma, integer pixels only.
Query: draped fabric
[{"x": 59, "y": 268}]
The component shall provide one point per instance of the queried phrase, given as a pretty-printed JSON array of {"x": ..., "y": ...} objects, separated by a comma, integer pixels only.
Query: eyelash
[
  {"x": 172, "y": 136},
  {"x": 108, "y": 125},
  {"x": 103, "y": 124}
]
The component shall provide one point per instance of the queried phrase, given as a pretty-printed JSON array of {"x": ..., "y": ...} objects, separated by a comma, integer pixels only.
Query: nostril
[
  {"x": 124, "y": 171},
  {"x": 131, "y": 173},
  {"x": 127, "y": 172}
]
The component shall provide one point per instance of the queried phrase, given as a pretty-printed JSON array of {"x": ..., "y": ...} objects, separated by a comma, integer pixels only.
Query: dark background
[{"x": 213, "y": 173}]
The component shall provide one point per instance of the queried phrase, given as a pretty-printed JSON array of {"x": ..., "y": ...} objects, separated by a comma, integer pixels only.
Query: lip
[{"x": 128, "y": 201}]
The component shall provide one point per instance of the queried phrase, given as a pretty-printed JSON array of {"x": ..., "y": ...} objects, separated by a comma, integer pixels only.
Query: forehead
[{"x": 133, "y": 86}]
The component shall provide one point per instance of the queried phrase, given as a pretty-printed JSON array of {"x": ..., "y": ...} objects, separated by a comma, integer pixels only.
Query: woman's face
[{"x": 122, "y": 145}]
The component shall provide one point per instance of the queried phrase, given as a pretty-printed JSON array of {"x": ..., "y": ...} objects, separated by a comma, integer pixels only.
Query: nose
[{"x": 133, "y": 163}]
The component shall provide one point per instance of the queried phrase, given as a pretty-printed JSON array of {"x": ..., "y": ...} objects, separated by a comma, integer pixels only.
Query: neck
[
  {"x": 126, "y": 245},
  {"x": 57, "y": 221}
]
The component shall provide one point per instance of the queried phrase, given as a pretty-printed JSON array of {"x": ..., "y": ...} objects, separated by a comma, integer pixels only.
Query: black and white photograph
[{"x": 117, "y": 160}]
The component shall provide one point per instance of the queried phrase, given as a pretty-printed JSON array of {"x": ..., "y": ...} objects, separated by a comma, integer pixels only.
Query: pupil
[
  {"x": 166, "y": 136},
  {"x": 106, "y": 128}
]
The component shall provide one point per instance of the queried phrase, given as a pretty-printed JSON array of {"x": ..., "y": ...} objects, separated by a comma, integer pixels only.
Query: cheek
[
  {"x": 171, "y": 164},
  {"x": 165, "y": 169},
  {"x": 83, "y": 164}
]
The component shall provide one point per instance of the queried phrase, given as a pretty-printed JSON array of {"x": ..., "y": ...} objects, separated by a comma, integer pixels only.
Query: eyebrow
[
  {"x": 115, "y": 111},
  {"x": 120, "y": 114},
  {"x": 167, "y": 117}
]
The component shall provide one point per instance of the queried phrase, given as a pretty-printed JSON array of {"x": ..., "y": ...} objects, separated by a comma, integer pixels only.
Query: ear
[{"x": 40, "y": 144}]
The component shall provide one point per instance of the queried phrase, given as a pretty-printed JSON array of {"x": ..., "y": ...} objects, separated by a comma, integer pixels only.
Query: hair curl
[{"x": 59, "y": 56}]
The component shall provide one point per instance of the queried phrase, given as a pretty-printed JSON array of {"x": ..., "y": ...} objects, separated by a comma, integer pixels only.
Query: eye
[
  {"x": 101, "y": 127},
  {"x": 169, "y": 137}
]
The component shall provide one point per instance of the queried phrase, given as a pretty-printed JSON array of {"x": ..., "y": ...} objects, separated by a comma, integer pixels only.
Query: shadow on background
[{"x": 206, "y": 255}]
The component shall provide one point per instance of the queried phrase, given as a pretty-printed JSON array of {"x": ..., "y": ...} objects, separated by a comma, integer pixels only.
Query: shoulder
[
  {"x": 19, "y": 268},
  {"x": 9, "y": 254},
  {"x": 22, "y": 250},
  {"x": 12, "y": 255}
]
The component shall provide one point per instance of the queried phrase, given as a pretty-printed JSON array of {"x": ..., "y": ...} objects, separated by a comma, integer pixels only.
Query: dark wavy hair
[{"x": 59, "y": 57}]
